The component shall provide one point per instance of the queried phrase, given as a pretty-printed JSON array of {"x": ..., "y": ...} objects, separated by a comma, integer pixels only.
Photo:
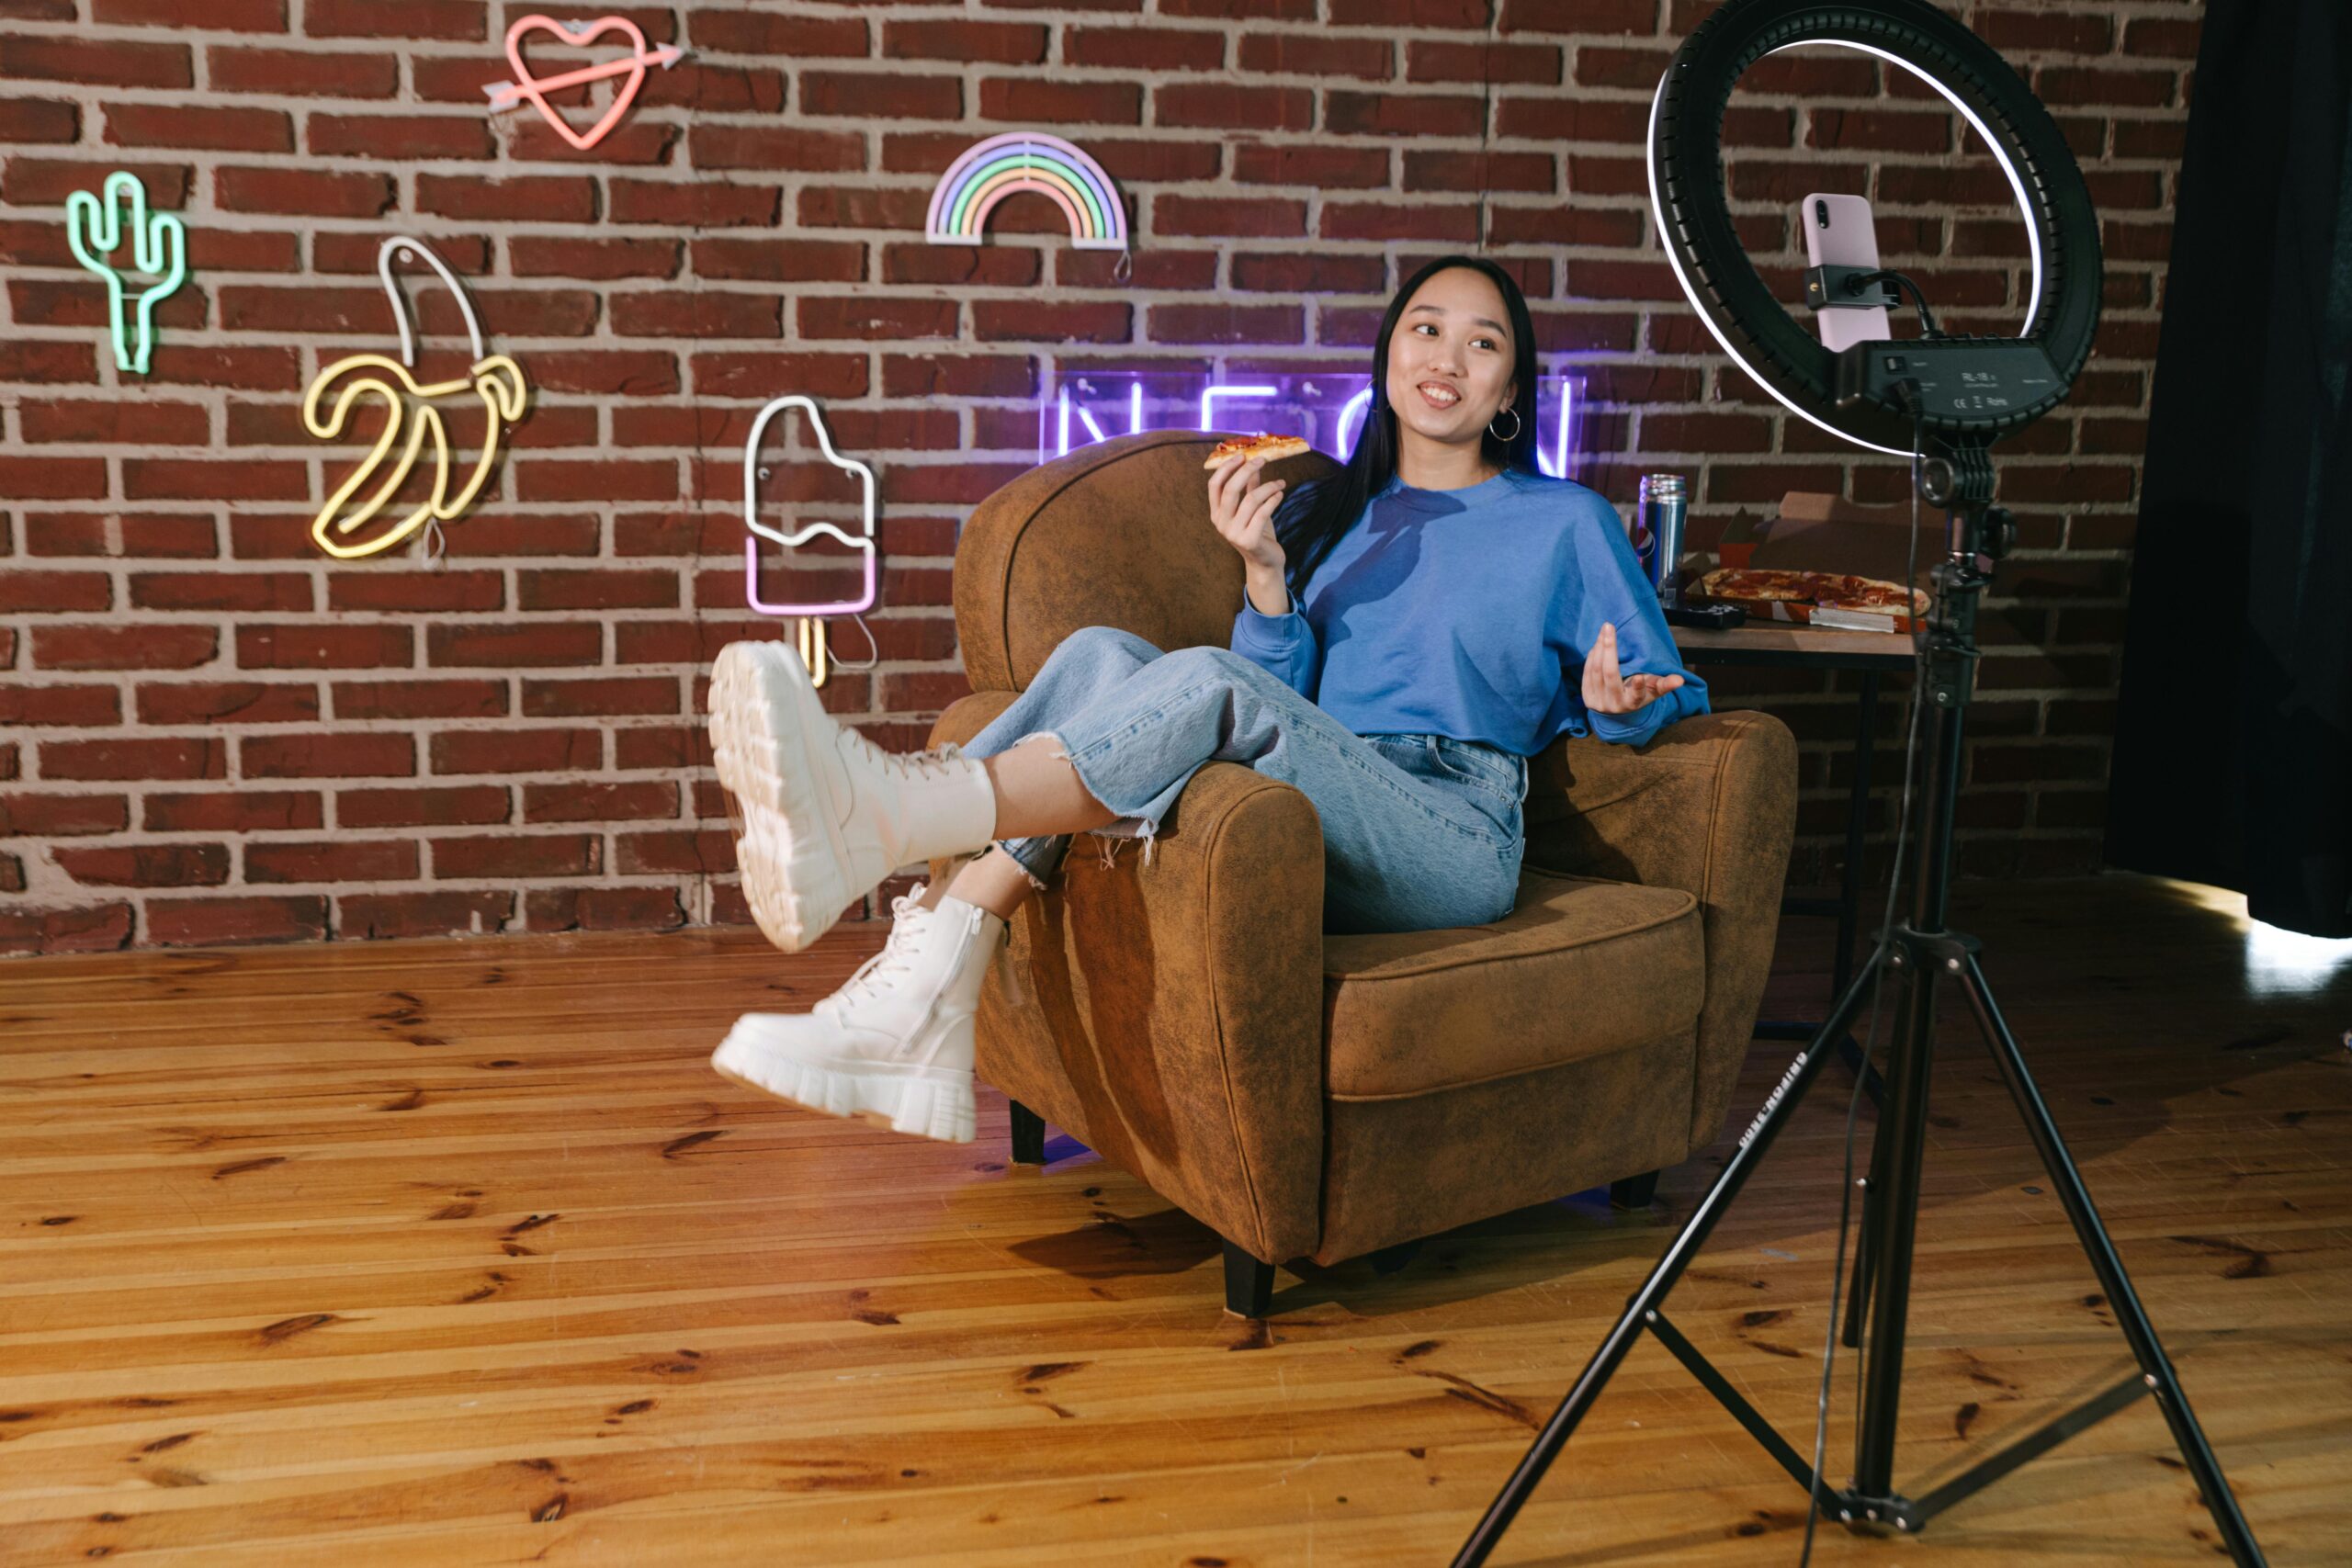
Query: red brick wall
[{"x": 216, "y": 734}]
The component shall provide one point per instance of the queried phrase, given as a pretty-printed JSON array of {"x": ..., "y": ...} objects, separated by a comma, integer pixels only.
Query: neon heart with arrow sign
[{"x": 525, "y": 87}]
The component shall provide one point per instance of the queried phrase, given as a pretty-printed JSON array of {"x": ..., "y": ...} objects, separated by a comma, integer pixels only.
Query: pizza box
[
  {"x": 1813, "y": 532},
  {"x": 1822, "y": 533},
  {"x": 1826, "y": 617}
]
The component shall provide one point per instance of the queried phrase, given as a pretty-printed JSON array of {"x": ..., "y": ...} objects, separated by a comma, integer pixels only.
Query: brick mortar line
[{"x": 876, "y": 352}]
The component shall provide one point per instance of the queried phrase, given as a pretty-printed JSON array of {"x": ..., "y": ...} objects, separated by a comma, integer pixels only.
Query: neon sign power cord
[{"x": 1870, "y": 1032}]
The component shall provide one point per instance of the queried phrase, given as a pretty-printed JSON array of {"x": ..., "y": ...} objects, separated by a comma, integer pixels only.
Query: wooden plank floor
[{"x": 457, "y": 1252}]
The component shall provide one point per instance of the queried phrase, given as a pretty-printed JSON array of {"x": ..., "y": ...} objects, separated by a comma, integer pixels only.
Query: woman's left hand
[{"x": 1605, "y": 691}]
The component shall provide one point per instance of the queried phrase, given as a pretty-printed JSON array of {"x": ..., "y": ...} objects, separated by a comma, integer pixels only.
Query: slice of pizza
[
  {"x": 1829, "y": 590},
  {"x": 1882, "y": 598},
  {"x": 1270, "y": 448},
  {"x": 1756, "y": 585}
]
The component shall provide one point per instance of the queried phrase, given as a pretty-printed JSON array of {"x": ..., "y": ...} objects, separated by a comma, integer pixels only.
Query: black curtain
[{"x": 2232, "y": 761}]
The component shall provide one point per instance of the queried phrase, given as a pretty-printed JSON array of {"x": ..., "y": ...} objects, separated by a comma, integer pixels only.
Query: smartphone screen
[{"x": 1838, "y": 232}]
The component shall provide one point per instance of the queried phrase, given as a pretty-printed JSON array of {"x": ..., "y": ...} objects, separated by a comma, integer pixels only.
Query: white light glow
[
  {"x": 1356, "y": 409},
  {"x": 1658, "y": 214},
  {"x": 1065, "y": 408},
  {"x": 1558, "y": 466},
  {"x": 2017, "y": 186},
  {"x": 1067, "y": 421},
  {"x": 2276, "y": 961},
  {"x": 2288, "y": 963}
]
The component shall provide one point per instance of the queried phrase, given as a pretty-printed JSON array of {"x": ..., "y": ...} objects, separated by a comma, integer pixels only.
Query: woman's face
[{"x": 1451, "y": 365}]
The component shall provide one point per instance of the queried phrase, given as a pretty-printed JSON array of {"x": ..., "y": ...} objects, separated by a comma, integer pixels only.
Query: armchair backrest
[{"x": 1117, "y": 534}]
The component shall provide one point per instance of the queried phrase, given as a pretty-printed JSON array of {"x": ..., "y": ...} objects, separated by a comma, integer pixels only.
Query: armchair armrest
[
  {"x": 1170, "y": 1017},
  {"x": 1708, "y": 806}
]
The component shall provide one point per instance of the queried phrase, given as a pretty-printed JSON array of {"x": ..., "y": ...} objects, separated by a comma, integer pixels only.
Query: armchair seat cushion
[{"x": 1580, "y": 967}]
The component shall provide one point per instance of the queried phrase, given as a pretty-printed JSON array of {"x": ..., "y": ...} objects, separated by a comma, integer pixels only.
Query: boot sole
[
  {"x": 794, "y": 863},
  {"x": 930, "y": 1102}
]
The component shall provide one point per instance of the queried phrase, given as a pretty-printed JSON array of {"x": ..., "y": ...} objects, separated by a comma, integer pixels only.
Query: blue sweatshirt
[{"x": 1468, "y": 613}]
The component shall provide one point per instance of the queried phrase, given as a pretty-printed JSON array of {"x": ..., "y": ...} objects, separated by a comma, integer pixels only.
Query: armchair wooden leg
[
  {"x": 1633, "y": 1191},
  {"x": 1248, "y": 1284},
  {"x": 1388, "y": 1259},
  {"x": 1028, "y": 1135}
]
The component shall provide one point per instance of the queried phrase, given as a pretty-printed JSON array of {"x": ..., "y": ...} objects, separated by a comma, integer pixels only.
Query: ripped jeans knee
[{"x": 1111, "y": 835}]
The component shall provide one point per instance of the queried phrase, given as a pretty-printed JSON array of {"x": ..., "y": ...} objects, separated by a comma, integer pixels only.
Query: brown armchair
[{"x": 1328, "y": 1097}]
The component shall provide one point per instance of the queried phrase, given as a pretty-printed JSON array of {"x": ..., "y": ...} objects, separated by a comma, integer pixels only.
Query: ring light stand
[{"x": 1947, "y": 398}]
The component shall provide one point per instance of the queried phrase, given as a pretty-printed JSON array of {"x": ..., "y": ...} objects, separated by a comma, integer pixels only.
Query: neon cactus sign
[
  {"x": 1089, "y": 407},
  {"x": 96, "y": 227}
]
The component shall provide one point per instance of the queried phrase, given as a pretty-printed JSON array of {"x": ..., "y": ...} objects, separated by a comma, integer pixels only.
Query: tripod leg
[
  {"x": 1858, "y": 1299},
  {"x": 2109, "y": 1265},
  {"x": 1858, "y": 1295},
  {"x": 1895, "y": 1161},
  {"x": 1685, "y": 1246}
]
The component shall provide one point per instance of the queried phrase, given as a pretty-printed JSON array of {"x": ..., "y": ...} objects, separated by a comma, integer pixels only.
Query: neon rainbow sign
[
  {"x": 1302, "y": 405},
  {"x": 1004, "y": 165}
]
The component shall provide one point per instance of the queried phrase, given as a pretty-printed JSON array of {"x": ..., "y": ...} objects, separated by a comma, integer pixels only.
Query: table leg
[
  {"x": 1848, "y": 905},
  {"x": 1857, "y": 806},
  {"x": 1850, "y": 885}
]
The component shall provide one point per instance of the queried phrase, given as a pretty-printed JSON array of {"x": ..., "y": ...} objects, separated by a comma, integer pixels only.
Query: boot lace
[
  {"x": 912, "y": 767},
  {"x": 872, "y": 977}
]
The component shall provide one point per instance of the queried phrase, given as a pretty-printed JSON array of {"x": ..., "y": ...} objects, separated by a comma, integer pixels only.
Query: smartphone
[{"x": 1838, "y": 232}]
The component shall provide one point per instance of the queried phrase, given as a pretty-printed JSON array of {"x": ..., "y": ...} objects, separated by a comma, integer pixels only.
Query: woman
[{"x": 1417, "y": 625}]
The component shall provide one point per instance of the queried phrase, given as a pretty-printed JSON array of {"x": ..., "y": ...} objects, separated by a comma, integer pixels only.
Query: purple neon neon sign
[{"x": 1326, "y": 410}]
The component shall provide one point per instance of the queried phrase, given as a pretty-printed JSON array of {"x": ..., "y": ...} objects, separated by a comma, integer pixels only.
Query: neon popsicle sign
[
  {"x": 1084, "y": 409},
  {"x": 862, "y": 543},
  {"x": 814, "y": 653}
]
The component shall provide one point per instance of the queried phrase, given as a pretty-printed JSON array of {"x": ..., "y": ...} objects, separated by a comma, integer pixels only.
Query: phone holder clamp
[{"x": 1844, "y": 288}]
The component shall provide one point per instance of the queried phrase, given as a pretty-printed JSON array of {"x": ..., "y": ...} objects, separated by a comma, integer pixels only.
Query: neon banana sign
[{"x": 412, "y": 418}]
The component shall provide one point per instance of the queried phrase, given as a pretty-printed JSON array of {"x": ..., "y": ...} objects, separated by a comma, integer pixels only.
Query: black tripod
[{"x": 1915, "y": 957}]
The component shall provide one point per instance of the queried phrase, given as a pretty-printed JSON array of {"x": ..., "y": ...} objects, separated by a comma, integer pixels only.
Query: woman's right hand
[{"x": 1243, "y": 510}]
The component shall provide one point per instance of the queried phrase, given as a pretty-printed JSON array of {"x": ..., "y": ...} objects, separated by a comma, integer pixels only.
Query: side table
[{"x": 1771, "y": 646}]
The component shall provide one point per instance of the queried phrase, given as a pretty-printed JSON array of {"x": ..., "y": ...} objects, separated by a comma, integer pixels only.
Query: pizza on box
[
  {"x": 1820, "y": 589},
  {"x": 1270, "y": 448}
]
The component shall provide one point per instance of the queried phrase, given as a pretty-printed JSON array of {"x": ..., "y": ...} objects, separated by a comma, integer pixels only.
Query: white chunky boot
[
  {"x": 826, "y": 813},
  {"x": 894, "y": 1044}
]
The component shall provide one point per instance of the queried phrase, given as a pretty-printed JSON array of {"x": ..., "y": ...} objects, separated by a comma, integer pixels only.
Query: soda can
[{"x": 1657, "y": 533}]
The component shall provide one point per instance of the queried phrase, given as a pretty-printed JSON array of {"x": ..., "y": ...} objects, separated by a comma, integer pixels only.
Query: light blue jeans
[{"x": 1419, "y": 831}]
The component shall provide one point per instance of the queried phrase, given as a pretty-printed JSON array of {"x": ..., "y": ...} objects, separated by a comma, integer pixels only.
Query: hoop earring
[{"x": 1515, "y": 426}]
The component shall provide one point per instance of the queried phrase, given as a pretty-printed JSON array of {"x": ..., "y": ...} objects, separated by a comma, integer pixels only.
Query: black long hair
[{"x": 1313, "y": 518}]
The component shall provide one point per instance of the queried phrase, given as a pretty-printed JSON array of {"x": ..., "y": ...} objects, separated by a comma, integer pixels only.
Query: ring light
[{"x": 1971, "y": 391}]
